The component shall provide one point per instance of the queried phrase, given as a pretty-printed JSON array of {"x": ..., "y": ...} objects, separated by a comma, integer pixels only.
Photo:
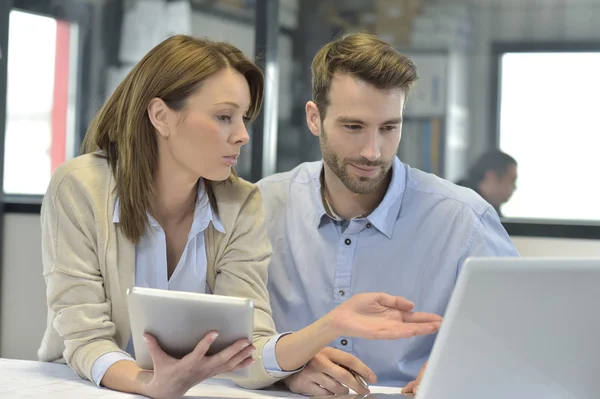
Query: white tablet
[{"x": 179, "y": 320}]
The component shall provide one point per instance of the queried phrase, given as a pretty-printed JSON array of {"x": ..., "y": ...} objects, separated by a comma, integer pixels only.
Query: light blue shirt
[
  {"x": 412, "y": 245},
  {"x": 189, "y": 274}
]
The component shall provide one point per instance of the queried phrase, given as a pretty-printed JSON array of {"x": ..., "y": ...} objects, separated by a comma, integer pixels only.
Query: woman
[{"x": 155, "y": 203}]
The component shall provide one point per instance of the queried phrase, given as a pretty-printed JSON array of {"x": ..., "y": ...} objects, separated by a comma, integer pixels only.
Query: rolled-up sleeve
[
  {"x": 105, "y": 361},
  {"x": 270, "y": 359}
]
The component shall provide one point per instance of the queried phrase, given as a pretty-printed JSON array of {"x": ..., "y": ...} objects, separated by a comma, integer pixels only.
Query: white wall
[
  {"x": 520, "y": 21},
  {"x": 23, "y": 298},
  {"x": 23, "y": 301},
  {"x": 544, "y": 247}
]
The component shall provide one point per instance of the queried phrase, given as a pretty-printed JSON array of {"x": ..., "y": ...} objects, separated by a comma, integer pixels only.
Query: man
[
  {"x": 494, "y": 177},
  {"x": 362, "y": 221}
]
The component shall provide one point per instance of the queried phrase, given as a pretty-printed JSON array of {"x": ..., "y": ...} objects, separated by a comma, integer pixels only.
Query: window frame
[
  {"x": 72, "y": 11},
  {"x": 535, "y": 227}
]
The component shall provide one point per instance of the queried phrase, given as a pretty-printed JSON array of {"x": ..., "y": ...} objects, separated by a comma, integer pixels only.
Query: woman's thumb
[{"x": 157, "y": 354}]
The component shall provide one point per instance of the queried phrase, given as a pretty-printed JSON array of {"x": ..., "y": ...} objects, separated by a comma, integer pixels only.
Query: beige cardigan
[{"x": 89, "y": 265}]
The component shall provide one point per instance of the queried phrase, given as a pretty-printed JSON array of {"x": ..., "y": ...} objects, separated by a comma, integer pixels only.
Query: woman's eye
[
  {"x": 224, "y": 118},
  {"x": 246, "y": 120}
]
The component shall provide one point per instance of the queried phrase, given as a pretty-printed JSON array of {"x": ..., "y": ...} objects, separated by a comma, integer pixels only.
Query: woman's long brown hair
[{"x": 122, "y": 130}]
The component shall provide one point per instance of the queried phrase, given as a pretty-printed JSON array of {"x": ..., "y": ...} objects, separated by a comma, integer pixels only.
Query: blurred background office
[{"x": 520, "y": 76}]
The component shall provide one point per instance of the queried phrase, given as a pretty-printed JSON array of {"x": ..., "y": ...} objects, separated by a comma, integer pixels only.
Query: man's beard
[{"x": 357, "y": 185}]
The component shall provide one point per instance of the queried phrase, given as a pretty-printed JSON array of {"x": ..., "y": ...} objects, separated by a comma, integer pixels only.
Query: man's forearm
[{"x": 295, "y": 350}]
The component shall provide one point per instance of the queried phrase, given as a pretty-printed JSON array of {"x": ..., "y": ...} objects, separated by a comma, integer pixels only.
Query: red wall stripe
[{"x": 61, "y": 95}]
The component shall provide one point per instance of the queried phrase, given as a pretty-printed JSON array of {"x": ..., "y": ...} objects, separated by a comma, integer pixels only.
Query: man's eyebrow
[
  {"x": 395, "y": 121},
  {"x": 348, "y": 120}
]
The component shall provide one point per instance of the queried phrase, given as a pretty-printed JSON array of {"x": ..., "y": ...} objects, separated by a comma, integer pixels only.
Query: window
[
  {"x": 40, "y": 100},
  {"x": 549, "y": 123}
]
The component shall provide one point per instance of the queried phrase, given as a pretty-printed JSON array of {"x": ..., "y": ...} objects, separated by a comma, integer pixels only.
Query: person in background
[
  {"x": 494, "y": 177},
  {"x": 155, "y": 203},
  {"x": 360, "y": 220}
]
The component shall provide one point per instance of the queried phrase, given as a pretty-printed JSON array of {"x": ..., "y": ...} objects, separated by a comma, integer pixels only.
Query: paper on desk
[
  {"x": 227, "y": 389},
  {"x": 24, "y": 379},
  {"x": 385, "y": 390},
  {"x": 21, "y": 379},
  {"x": 221, "y": 388}
]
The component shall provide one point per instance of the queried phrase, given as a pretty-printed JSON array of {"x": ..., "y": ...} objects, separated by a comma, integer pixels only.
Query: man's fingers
[
  {"x": 305, "y": 383},
  {"x": 425, "y": 328},
  {"x": 345, "y": 377},
  {"x": 420, "y": 377},
  {"x": 393, "y": 334},
  {"x": 410, "y": 387},
  {"x": 337, "y": 363},
  {"x": 330, "y": 384},
  {"x": 420, "y": 317},
  {"x": 353, "y": 363},
  {"x": 406, "y": 330},
  {"x": 395, "y": 302},
  {"x": 313, "y": 389}
]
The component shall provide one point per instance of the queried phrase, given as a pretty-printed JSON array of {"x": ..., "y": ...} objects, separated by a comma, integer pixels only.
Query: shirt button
[
  {"x": 348, "y": 241},
  {"x": 344, "y": 342},
  {"x": 369, "y": 225},
  {"x": 342, "y": 292}
]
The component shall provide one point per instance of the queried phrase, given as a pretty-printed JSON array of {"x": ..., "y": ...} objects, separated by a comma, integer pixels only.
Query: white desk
[{"x": 27, "y": 379}]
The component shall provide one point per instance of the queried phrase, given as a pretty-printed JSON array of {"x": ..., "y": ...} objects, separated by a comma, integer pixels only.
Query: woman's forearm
[
  {"x": 126, "y": 376},
  {"x": 293, "y": 351}
]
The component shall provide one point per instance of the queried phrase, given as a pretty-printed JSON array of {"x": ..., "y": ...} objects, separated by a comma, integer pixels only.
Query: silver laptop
[{"x": 519, "y": 328}]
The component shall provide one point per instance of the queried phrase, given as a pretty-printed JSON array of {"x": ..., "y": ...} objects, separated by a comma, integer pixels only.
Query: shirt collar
[
  {"x": 384, "y": 216},
  {"x": 203, "y": 213}
]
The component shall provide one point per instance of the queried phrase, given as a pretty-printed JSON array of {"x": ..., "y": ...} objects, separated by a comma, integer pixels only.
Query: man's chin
[{"x": 363, "y": 185}]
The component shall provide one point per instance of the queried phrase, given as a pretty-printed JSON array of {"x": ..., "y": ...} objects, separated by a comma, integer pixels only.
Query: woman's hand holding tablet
[{"x": 172, "y": 377}]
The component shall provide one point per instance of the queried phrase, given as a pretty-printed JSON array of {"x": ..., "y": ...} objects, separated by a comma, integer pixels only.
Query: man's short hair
[{"x": 364, "y": 56}]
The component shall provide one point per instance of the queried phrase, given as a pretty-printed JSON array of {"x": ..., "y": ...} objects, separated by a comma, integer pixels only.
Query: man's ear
[
  {"x": 158, "y": 114},
  {"x": 313, "y": 118}
]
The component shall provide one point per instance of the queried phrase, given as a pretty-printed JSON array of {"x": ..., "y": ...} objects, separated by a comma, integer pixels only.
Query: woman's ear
[
  {"x": 313, "y": 118},
  {"x": 158, "y": 114}
]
